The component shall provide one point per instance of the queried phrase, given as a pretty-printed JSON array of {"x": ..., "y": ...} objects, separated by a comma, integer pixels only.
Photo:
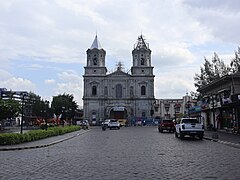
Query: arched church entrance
[{"x": 118, "y": 113}]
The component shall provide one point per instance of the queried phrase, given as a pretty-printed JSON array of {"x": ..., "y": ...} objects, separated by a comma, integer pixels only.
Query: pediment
[
  {"x": 93, "y": 82},
  {"x": 119, "y": 73}
]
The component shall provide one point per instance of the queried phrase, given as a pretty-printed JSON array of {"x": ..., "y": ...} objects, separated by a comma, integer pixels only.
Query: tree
[
  {"x": 64, "y": 104},
  {"x": 211, "y": 71},
  {"x": 219, "y": 67},
  {"x": 37, "y": 103},
  {"x": 206, "y": 74},
  {"x": 235, "y": 62},
  {"x": 9, "y": 108}
]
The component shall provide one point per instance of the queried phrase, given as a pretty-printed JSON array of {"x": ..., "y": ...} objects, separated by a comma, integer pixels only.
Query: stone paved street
[{"x": 128, "y": 153}]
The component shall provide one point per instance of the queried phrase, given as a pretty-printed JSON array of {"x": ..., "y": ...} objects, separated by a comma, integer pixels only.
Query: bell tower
[
  {"x": 141, "y": 58},
  {"x": 96, "y": 59}
]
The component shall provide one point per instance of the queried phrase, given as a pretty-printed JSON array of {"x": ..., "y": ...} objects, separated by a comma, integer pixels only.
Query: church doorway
[{"x": 118, "y": 113}]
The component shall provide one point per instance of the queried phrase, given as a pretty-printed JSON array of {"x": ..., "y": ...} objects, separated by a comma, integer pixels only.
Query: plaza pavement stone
[{"x": 128, "y": 153}]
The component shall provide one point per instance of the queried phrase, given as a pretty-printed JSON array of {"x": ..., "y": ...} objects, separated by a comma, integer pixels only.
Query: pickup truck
[
  {"x": 189, "y": 126},
  {"x": 166, "y": 124}
]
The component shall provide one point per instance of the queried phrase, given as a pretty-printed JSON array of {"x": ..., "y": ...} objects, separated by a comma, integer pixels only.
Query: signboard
[{"x": 118, "y": 108}]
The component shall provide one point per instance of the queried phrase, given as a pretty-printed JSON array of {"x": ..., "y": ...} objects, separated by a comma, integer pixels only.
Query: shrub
[
  {"x": 9, "y": 138},
  {"x": 33, "y": 135}
]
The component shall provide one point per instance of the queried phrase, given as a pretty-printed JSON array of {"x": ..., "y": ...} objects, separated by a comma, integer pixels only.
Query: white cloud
[
  {"x": 7, "y": 80},
  {"x": 53, "y": 36},
  {"x": 221, "y": 17},
  {"x": 71, "y": 83},
  {"x": 175, "y": 84},
  {"x": 18, "y": 84},
  {"x": 50, "y": 81},
  {"x": 70, "y": 77}
]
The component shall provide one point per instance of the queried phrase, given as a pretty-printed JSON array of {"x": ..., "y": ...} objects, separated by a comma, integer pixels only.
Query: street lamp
[
  {"x": 212, "y": 98},
  {"x": 63, "y": 115},
  {"x": 46, "y": 113},
  {"x": 23, "y": 94},
  {"x": 188, "y": 105}
]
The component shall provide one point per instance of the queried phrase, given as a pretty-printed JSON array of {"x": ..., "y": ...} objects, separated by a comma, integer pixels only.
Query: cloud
[
  {"x": 70, "y": 83},
  {"x": 7, "y": 80},
  {"x": 34, "y": 67},
  {"x": 221, "y": 17},
  {"x": 70, "y": 77},
  {"x": 50, "y": 81},
  {"x": 18, "y": 84},
  {"x": 44, "y": 43},
  {"x": 175, "y": 84}
]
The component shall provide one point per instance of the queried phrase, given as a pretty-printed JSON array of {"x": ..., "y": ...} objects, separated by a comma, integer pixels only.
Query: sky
[{"x": 43, "y": 43}]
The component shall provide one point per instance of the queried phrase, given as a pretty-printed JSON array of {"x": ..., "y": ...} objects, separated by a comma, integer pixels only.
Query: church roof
[{"x": 96, "y": 44}]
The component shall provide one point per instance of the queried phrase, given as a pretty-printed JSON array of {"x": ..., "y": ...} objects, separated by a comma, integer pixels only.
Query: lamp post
[
  {"x": 175, "y": 112},
  {"x": 63, "y": 115},
  {"x": 23, "y": 94},
  {"x": 188, "y": 105},
  {"x": 213, "y": 96},
  {"x": 46, "y": 113}
]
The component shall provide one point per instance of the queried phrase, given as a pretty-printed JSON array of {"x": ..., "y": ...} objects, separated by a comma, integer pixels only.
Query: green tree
[
  {"x": 38, "y": 105},
  {"x": 206, "y": 74},
  {"x": 9, "y": 108},
  {"x": 219, "y": 67},
  {"x": 235, "y": 62},
  {"x": 210, "y": 71},
  {"x": 64, "y": 104}
]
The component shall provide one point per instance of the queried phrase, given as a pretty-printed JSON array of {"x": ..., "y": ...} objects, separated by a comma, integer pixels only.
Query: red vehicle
[{"x": 166, "y": 124}]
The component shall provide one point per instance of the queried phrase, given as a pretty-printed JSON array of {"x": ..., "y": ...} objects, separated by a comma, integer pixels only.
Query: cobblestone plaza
[{"x": 128, "y": 153}]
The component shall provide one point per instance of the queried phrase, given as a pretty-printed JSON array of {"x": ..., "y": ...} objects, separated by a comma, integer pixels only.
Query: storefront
[{"x": 221, "y": 102}]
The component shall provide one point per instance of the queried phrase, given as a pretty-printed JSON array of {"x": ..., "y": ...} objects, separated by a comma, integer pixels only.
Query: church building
[{"x": 118, "y": 95}]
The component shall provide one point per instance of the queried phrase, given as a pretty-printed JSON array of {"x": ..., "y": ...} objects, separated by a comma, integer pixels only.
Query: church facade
[{"x": 118, "y": 95}]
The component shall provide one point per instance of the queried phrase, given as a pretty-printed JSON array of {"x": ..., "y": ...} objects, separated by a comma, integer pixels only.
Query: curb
[
  {"x": 223, "y": 142},
  {"x": 44, "y": 145}
]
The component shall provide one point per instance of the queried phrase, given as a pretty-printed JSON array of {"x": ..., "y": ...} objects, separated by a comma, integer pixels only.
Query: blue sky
[{"x": 43, "y": 43}]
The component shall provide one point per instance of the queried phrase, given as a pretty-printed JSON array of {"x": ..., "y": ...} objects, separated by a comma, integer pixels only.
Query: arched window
[
  {"x": 94, "y": 90},
  {"x": 118, "y": 91},
  {"x": 94, "y": 61},
  {"x": 142, "y": 61},
  {"x": 143, "y": 90}
]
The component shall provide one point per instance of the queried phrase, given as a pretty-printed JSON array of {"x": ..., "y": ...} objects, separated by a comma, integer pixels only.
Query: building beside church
[
  {"x": 174, "y": 108},
  {"x": 119, "y": 94}
]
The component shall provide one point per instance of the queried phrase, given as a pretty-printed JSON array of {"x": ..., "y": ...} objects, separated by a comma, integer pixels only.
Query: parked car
[
  {"x": 166, "y": 124},
  {"x": 113, "y": 124},
  {"x": 106, "y": 122},
  {"x": 94, "y": 123},
  {"x": 139, "y": 123},
  {"x": 122, "y": 122},
  {"x": 189, "y": 126}
]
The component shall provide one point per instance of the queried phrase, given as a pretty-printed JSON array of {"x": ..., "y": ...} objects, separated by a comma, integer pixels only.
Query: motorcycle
[{"x": 103, "y": 128}]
